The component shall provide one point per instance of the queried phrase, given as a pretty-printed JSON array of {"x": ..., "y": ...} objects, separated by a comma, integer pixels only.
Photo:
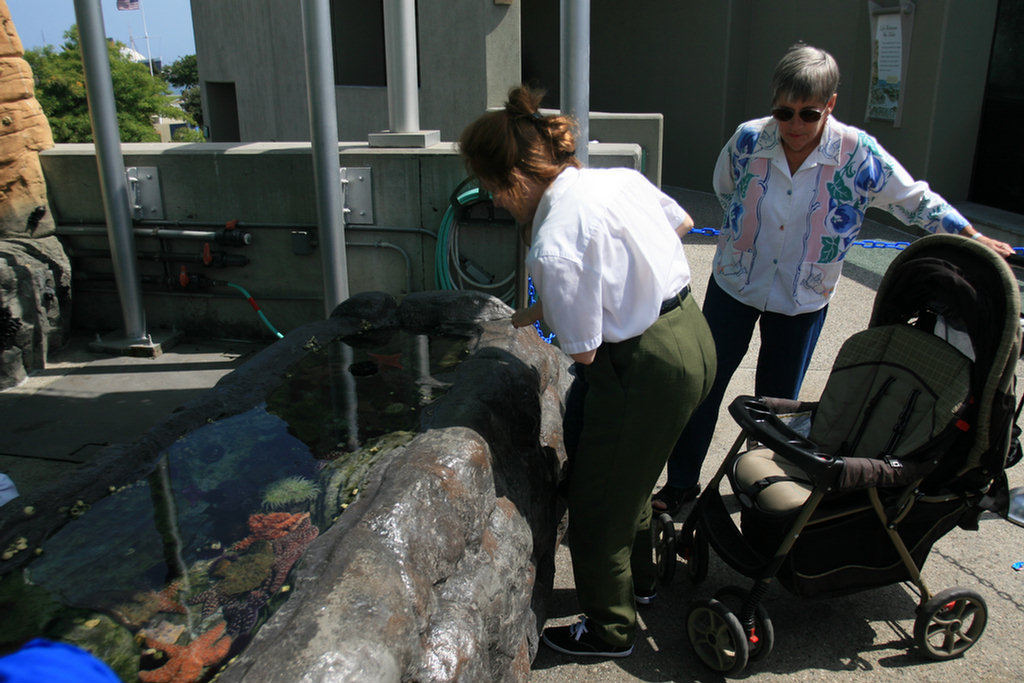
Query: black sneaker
[
  {"x": 577, "y": 639},
  {"x": 671, "y": 499}
]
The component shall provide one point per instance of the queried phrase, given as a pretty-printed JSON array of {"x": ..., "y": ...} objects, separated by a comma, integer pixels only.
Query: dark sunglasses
[{"x": 808, "y": 115}]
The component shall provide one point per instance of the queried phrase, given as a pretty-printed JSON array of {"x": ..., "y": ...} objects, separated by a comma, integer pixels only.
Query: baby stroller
[{"x": 910, "y": 438}]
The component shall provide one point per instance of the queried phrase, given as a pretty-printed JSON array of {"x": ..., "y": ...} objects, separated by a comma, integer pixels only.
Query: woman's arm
[
  {"x": 1001, "y": 248},
  {"x": 685, "y": 227},
  {"x": 528, "y": 316},
  {"x": 584, "y": 357}
]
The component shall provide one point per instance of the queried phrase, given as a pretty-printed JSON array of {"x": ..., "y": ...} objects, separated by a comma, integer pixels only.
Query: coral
[
  {"x": 268, "y": 526},
  {"x": 289, "y": 491},
  {"x": 246, "y": 572},
  {"x": 237, "y": 575},
  {"x": 185, "y": 663}
]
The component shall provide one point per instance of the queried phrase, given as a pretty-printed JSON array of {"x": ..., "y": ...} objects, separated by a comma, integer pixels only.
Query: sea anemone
[{"x": 289, "y": 491}]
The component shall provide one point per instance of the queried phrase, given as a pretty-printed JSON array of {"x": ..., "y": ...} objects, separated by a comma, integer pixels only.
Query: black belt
[{"x": 673, "y": 303}]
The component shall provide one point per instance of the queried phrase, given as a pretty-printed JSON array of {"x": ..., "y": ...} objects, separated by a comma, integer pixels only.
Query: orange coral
[
  {"x": 268, "y": 526},
  {"x": 185, "y": 663}
]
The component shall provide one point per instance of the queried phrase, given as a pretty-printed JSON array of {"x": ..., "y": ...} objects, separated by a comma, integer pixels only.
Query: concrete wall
[
  {"x": 268, "y": 189},
  {"x": 468, "y": 58}
]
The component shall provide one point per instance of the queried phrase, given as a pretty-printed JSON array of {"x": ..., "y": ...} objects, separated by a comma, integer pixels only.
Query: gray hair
[{"x": 805, "y": 73}]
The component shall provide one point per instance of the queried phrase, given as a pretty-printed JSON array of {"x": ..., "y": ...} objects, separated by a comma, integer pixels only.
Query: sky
[{"x": 168, "y": 22}]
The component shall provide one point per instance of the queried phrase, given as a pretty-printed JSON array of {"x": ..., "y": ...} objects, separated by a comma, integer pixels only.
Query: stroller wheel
[
  {"x": 697, "y": 557},
  {"x": 717, "y": 637},
  {"x": 665, "y": 546},
  {"x": 761, "y": 642},
  {"x": 950, "y": 623}
]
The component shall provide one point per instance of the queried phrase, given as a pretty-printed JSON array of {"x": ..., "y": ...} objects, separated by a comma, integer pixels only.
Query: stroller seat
[{"x": 892, "y": 392}]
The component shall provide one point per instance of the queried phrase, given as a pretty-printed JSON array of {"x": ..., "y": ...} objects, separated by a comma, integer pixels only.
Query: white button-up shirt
[
  {"x": 785, "y": 235},
  {"x": 604, "y": 255}
]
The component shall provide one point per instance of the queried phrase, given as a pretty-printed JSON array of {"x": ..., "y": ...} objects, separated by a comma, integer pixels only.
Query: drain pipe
[
  {"x": 113, "y": 186},
  {"x": 400, "y": 56},
  {"x": 323, "y": 126},
  {"x": 403, "y": 80},
  {"x": 575, "y": 71}
]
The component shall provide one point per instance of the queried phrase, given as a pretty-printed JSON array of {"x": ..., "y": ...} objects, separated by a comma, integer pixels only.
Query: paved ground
[
  {"x": 864, "y": 637},
  {"x": 59, "y": 417}
]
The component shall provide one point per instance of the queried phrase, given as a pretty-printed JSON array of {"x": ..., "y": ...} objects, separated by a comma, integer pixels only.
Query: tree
[
  {"x": 60, "y": 90},
  {"x": 184, "y": 73}
]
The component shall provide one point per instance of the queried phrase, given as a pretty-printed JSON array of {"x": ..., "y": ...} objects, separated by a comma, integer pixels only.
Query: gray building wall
[
  {"x": 468, "y": 56},
  {"x": 705, "y": 66}
]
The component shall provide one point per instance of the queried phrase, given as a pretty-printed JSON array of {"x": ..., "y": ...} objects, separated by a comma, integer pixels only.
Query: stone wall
[{"x": 35, "y": 278}]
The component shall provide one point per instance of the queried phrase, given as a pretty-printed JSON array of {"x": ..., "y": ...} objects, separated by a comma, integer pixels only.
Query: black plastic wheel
[
  {"x": 950, "y": 623},
  {"x": 717, "y": 637},
  {"x": 761, "y": 642},
  {"x": 664, "y": 530},
  {"x": 697, "y": 555}
]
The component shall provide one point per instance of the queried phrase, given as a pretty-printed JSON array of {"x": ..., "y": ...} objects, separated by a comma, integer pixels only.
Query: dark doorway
[
  {"x": 222, "y": 114},
  {"x": 998, "y": 178}
]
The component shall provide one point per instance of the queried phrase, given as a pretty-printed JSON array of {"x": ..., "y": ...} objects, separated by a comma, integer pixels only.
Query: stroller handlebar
[{"x": 756, "y": 418}]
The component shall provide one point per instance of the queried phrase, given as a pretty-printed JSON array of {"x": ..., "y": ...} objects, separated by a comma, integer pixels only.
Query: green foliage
[
  {"x": 192, "y": 104},
  {"x": 188, "y": 135},
  {"x": 182, "y": 73},
  {"x": 61, "y": 92}
]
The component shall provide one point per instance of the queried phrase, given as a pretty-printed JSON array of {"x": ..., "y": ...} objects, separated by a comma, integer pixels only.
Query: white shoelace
[{"x": 578, "y": 629}]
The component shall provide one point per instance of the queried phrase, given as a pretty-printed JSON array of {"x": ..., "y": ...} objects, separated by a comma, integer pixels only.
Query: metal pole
[
  {"x": 400, "y": 54},
  {"x": 323, "y": 126},
  {"x": 145, "y": 33},
  {"x": 113, "y": 185},
  {"x": 575, "y": 70}
]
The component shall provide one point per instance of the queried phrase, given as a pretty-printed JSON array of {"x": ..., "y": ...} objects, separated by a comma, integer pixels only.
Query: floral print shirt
[{"x": 785, "y": 236}]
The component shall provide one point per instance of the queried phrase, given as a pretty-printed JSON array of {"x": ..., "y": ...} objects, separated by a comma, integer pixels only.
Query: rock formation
[{"x": 35, "y": 274}]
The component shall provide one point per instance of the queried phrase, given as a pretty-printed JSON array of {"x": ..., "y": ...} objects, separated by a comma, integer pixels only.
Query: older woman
[
  {"x": 613, "y": 283},
  {"x": 794, "y": 187}
]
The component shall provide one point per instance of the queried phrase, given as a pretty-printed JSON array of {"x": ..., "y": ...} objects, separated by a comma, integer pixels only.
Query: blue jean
[{"x": 787, "y": 343}]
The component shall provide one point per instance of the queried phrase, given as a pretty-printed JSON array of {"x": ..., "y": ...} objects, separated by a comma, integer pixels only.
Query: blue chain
[
  {"x": 867, "y": 244},
  {"x": 533, "y": 299},
  {"x": 714, "y": 232}
]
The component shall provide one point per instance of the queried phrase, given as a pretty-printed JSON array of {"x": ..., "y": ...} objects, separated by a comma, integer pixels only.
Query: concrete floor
[
  {"x": 863, "y": 637},
  {"x": 54, "y": 421}
]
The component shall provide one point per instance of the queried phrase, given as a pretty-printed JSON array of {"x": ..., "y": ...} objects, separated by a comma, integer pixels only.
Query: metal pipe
[
  {"x": 402, "y": 71},
  {"x": 97, "y": 229},
  {"x": 575, "y": 71},
  {"x": 323, "y": 126},
  {"x": 113, "y": 185},
  {"x": 403, "y": 252}
]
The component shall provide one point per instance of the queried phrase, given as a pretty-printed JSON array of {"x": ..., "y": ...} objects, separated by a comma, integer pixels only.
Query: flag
[{"x": 127, "y": 4}]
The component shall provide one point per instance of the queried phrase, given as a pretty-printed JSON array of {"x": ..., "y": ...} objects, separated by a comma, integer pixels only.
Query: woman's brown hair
[{"x": 506, "y": 146}]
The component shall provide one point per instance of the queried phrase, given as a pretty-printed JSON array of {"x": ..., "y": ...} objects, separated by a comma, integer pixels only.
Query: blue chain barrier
[
  {"x": 867, "y": 244},
  {"x": 714, "y": 232}
]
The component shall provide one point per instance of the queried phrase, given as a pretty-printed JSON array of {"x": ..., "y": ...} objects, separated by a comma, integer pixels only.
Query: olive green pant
[{"x": 641, "y": 393}]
